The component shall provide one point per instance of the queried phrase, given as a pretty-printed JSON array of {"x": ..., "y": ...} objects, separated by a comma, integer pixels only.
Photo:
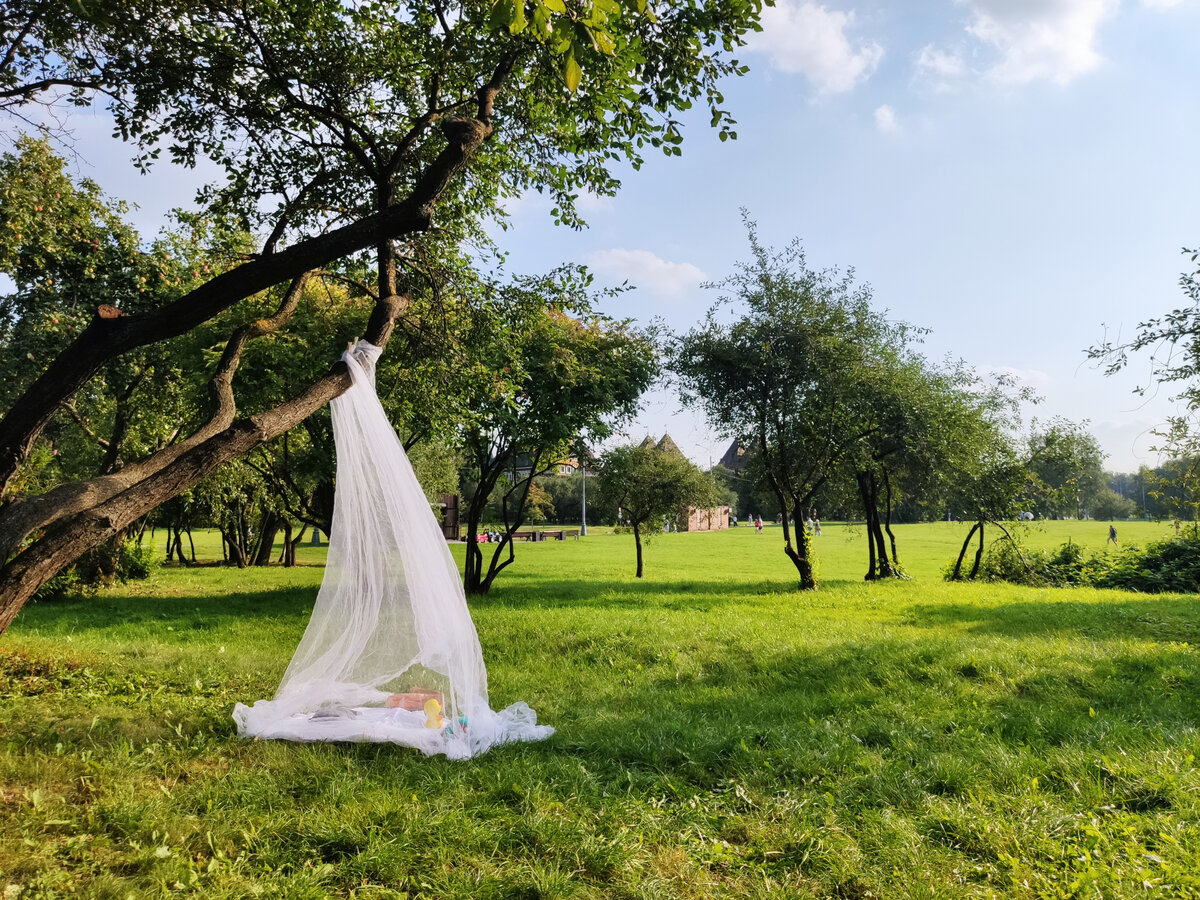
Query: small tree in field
[
  {"x": 787, "y": 375},
  {"x": 557, "y": 378},
  {"x": 652, "y": 486}
]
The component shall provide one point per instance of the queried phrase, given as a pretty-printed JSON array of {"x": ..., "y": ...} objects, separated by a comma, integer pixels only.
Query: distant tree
[
  {"x": 565, "y": 493},
  {"x": 1174, "y": 490},
  {"x": 556, "y": 378},
  {"x": 1066, "y": 466},
  {"x": 916, "y": 419},
  {"x": 984, "y": 479},
  {"x": 651, "y": 487},
  {"x": 989, "y": 492},
  {"x": 1108, "y": 504},
  {"x": 785, "y": 375}
]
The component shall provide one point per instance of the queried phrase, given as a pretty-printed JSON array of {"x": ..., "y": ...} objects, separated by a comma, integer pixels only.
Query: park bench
[{"x": 560, "y": 535}]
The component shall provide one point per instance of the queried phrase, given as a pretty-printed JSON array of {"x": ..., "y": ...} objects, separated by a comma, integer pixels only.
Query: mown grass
[{"x": 719, "y": 735}]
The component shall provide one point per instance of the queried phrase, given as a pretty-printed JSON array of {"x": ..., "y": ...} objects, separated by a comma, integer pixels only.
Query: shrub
[
  {"x": 130, "y": 561},
  {"x": 1171, "y": 565}
]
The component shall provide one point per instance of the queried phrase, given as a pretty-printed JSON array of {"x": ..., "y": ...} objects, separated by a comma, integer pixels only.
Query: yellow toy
[{"x": 433, "y": 714}]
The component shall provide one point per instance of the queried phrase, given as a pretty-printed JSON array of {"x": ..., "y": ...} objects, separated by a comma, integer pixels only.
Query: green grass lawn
[{"x": 719, "y": 735}]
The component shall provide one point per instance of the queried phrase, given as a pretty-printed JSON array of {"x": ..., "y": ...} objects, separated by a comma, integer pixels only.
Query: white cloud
[
  {"x": 645, "y": 270},
  {"x": 592, "y": 204},
  {"x": 805, "y": 38},
  {"x": 1034, "y": 378},
  {"x": 885, "y": 120},
  {"x": 1029, "y": 40},
  {"x": 1040, "y": 39},
  {"x": 940, "y": 68}
]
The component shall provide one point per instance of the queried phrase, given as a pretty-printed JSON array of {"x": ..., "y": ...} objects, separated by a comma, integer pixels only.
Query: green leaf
[
  {"x": 503, "y": 14},
  {"x": 519, "y": 22},
  {"x": 604, "y": 43},
  {"x": 563, "y": 35},
  {"x": 571, "y": 71},
  {"x": 554, "y": 6}
]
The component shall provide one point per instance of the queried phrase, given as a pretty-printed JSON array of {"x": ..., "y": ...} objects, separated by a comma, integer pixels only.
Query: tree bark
[
  {"x": 67, "y": 539},
  {"x": 956, "y": 575},
  {"x": 637, "y": 540}
]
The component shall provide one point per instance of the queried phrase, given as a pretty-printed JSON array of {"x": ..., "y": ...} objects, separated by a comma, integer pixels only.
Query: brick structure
[{"x": 714, "y": 519}]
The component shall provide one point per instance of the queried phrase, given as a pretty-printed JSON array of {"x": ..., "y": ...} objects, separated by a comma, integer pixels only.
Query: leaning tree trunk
[
  {"x": 956, "y": 575},
  {"x": 473, "y": 580},
  {"x": 637, "y": 541},
  {"x": 978, "y": 555},
  {"x": 81, "y": 516},
  {"x": 497, "y": 565},
  {"x": 799, "y": 552},
  {"x": 266, "y": 539},
  {"x": 235, "y": 552}
]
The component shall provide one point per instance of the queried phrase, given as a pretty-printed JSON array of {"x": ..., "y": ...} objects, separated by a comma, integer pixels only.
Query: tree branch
[
  {"x": 67, "y": 539},
  {"x": 22, "y": 517},
  {"x": 105, "y": 339}
]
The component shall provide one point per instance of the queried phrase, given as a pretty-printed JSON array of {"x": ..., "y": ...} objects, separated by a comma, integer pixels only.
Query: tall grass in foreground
[{"x": 718, "y": 736}]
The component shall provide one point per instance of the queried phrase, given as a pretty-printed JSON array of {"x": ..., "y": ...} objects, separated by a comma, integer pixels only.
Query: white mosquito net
[{"x": 391, "y": 653}]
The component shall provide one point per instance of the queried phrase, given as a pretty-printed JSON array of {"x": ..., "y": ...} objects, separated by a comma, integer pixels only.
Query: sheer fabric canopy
[{"x": 390, "y": 653}]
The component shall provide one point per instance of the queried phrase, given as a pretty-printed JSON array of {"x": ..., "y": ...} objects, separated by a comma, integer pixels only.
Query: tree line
[{"x": 181, "y": 379}]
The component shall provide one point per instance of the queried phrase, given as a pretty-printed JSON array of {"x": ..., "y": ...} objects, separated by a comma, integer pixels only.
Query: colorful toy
[{"x": 433, "y": 714}]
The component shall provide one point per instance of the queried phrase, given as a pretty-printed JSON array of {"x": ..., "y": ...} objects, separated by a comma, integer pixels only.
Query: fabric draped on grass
[{"x": 391, "y": 653}]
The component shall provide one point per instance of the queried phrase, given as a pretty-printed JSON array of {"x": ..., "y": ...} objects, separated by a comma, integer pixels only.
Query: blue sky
[{"x": 1015, "y": 175}]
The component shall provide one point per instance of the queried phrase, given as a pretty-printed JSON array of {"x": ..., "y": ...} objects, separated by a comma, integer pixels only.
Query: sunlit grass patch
[{"x": 719, "y": 735}]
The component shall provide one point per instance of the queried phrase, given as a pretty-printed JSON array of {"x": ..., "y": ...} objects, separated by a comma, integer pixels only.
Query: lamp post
[{"x": 583, "y": 472}]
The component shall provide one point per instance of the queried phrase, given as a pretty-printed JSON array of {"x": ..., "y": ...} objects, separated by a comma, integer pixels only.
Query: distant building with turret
[
  {"x": 715, "y": 518},
  {"x": 735, "y": 458}
]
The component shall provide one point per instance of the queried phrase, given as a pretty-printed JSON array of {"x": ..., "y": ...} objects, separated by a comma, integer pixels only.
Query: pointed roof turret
[
  {"x": 735, "y": 457},
  {"x": 666, "y": 445}
]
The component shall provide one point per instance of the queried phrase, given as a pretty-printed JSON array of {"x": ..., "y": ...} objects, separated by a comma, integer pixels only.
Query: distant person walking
[
  {"x": 1112, "y": 535},
  {"x": 758, "y": 525},
  {"x": 817, "y": 527}
]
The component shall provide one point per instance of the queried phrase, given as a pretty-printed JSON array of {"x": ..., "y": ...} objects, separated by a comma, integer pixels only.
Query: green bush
[
  {"x": 131, "y": 561},
  {"x": 1171, "y": 565}
]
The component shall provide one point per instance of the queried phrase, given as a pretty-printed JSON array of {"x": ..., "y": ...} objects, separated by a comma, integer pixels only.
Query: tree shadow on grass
[
  {"x": 535, "y": 592},
  {"x": 215, "y": 611},
  {"x": 205, "y": 612},
  {"x": 1157, "y": 618}
]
